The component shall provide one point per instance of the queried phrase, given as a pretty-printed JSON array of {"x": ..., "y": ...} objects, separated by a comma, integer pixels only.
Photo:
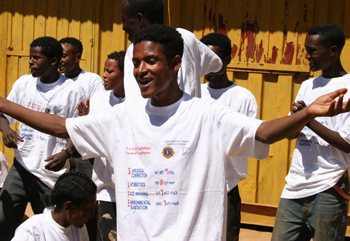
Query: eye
[{"x": 136, "y": 64}]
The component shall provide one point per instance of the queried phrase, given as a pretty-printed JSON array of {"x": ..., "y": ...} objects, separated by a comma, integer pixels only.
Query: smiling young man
[
  {"x": 168, "y": 150},
  {"x": 31, "y": 175},
  {"x": 197, "y": 59},
  {"x": 91, "y": 84},
  {"x": 313, "y": 202}
]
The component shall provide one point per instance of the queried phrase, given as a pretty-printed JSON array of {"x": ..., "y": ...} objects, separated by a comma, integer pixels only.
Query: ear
[
  {"x": 334, "y": 50},
  {"x": 78, "y": 56},
  {"x": 227, "y": 60},
  {"x": 177, "y": 62},
  {"x": 54, "y": 61},
  {"x": 140, "y": 19},
  {"x": 68, "y": 206}
]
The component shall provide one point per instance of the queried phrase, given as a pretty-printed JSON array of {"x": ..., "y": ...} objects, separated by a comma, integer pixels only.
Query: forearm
[
  {"x": 51, "y": 124},
  {"x": 332, "y": 137},
  {"x": 70, "y": 145},
  {"x": 278, "y": 129},
  {"x": 4, "y": 123}
]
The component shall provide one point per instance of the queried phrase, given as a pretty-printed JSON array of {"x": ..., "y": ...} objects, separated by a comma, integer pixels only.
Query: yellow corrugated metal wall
[{"x": 268, "y": 58}]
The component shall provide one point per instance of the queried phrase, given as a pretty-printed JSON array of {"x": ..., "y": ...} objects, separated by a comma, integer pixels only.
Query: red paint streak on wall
[
  {"x": 259, "y": 52},
  {"x": 241, "y": 45},
  {"x": 234, "y": 50},
  {"x": 249, "y": 35},
  {"x": 272, "y": 60},
  {"x": 298, "y": 60},
  {"x": 288, "y": 54},
  {"x": 222, "y": 26}
]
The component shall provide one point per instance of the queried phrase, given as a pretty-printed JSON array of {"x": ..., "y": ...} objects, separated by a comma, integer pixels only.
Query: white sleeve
[
  {"x": 238, "y": 134},
  {"x": 96, "y": 85},
  {"x": 23, "y": 235},
  {"x": 98, "y": 134},
  {"x": 132, "y": 90},
  {"x": 197, "y": 61},
  {"x": 344, "y": 132}
]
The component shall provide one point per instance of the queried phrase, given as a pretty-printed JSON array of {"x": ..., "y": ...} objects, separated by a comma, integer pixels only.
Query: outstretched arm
[
  {"x": 278, "y": 129},
  {"x": 51, "y": 124}
]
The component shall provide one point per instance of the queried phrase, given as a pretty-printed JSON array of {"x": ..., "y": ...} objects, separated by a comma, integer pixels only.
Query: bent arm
[
  {"x": 278, "y": 129},
  {"x": 332, "y": 137},
  {"x": 51, "y": 124}
]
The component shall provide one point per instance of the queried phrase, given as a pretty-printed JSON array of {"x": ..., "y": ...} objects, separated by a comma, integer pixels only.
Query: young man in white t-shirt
[
  {"x": 168, "y": 150},
  {"x": 310, "y": 205},
  {"x": 91, "y": 84},
  {"x": 197, "y": 59},
  {"x": 226, "y": 92},
  {"x": 33, "y": 175}
]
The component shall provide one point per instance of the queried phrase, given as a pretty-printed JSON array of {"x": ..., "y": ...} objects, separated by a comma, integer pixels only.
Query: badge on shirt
[
  {"x": 168, "y": 152},
  {"x": 47, "y": 110}
]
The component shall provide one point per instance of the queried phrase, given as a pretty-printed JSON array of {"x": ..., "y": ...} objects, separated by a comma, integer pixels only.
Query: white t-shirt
[
  {"x": 197, "y": 61},
  {"x": 242, "y": 101},
  {"x": 102, "y": 172},
  {"x": 91, "y": 83},
  {"x": 169, "y": 164},
  {"x": 3, "y": 168},
  {"x": 42, "y": 227},
  {"x": 59, "y": 98},
  {"x": 316, "y": 165}
]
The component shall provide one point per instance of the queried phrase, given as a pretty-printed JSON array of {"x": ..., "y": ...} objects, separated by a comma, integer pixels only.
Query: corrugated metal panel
[{"x": 268, "y": 58}]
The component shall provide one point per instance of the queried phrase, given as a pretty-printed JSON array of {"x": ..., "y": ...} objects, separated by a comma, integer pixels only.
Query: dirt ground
[{"x": 255, "y": 233}]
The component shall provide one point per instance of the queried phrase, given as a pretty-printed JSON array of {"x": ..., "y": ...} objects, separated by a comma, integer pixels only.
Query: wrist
[{"x": 68, "y": 151}]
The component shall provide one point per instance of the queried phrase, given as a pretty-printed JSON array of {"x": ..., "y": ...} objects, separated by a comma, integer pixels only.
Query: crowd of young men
[{"x": 178, "y": 159}]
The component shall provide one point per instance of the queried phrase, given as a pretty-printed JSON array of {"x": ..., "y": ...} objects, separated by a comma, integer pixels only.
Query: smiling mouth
[{"x": 145, "y": 81}]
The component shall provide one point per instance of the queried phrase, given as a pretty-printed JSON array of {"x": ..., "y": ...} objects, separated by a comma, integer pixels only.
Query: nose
[
  {"x": 142, "y": 69},
  {"x": 31, "y": 61},
  {"x": 104, "y": 74},
  {"x": 307, "y": 55}
]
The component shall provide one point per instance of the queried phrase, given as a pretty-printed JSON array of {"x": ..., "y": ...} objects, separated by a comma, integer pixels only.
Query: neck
[
  {"x": 60, "y": 219},
  {"x": 220, "y": 82},
  {"x": 167, "y": 98},
  {"x": 50, "y": 78},
  {"x": 335, "y": 70},
  {"x": 74, "y": 73},
  {"x": 119, "y": 93}
]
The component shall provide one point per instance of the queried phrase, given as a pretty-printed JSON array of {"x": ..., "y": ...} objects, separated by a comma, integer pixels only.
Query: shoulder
[{"x": 89, "y": 75}]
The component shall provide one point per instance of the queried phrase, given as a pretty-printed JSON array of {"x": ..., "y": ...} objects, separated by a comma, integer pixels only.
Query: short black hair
[
  {"x": 78, "y": 46},
  {"x": 119, "y": 57},
  {"x": 72, "y": 186},
  {"x": 152, "y": 10},
  {"x": 50, "y": 47},
  {"x": 218, "y": 39},
  {"x": 330, "y": 35},
  {"x": 170, "y": 39}
]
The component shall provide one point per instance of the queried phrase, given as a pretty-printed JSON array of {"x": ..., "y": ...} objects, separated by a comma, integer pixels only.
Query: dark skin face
[
  {"x": 41, "y": 66},
  {"x": 69, "y": 64},
  {"x": 323, "y": 57},
  {"x": 219, "y": 80},
  {"x": 155, "y": 75},
  {"x": 131, "y": 24},
  {"x": 75, "y": 215},
  {"x": 113, "y": 78}
]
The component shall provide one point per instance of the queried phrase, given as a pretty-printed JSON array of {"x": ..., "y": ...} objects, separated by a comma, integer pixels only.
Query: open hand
[
  {"x": 325, "y": 105},
  {"x": 57, "y": 161},
  {"x": 83, "y": 109}
]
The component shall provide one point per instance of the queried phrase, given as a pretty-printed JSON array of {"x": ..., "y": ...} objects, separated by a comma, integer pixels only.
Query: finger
[
  {"x": 346, "y": 106},
  {"x": 50, "y": 164},
  {"x": 339, "y": 104},
  {"x": 302, "y": 103},
  {"x": 337, "y": 93},
  {"x": 87, "y": 101},
  {"x": 49, "y": 158},
  {"x": 19, "y": 138}
]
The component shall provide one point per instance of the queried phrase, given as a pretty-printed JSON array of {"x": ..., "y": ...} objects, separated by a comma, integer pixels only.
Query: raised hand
[
  {"x": 326, "y": 105},
  {"x": 83, "y": 109}
]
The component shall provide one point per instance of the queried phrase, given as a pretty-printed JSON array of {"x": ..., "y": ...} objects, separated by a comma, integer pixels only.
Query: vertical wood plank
[
  {"x": 51, "y": 19},
  {"x": 28, "y": 24},
  {"x": 75, "y": 19},
  {"x": 40, "y": 19},
  {"x": 63, "y": 16},
  {"x": 17, "y": 20}
]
